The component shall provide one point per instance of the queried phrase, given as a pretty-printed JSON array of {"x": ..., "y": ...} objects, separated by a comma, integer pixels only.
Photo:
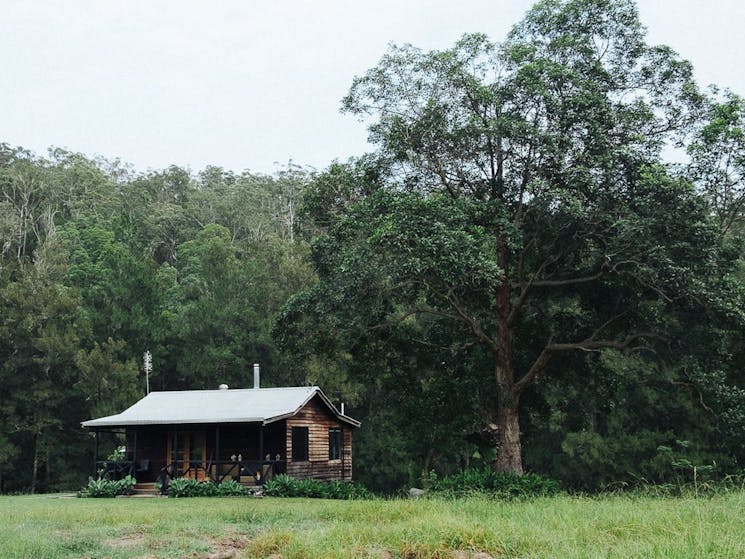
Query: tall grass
[{"x": 616, "y": 526}]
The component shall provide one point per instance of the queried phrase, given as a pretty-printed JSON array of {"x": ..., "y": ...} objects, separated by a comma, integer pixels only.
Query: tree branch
[
  {"x": 472, "y": 323},
  {"x": 538, "y": 365},
  {"x": 589, "y": 344},
  {"x": 525, "y": 290},
  {"x": 568, "y": 281},
  {"x": 412, "y": 312},
  {"x": 695, "y": 388}
]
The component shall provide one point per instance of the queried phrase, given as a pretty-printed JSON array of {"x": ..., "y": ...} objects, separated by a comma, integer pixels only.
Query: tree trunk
[
  {"x": 35, "y": 467},
  {"x": 509, "y": 453},
  {"x": 47, "y": 469},
  {"x": 427, "y": 463}
]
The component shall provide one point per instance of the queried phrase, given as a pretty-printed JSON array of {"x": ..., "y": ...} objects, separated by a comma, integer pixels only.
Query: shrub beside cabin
[{"x": 248, "y": 435}]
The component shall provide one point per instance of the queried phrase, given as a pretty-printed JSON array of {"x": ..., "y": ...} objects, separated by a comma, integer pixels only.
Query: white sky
[{"x": 246, "y": 84}]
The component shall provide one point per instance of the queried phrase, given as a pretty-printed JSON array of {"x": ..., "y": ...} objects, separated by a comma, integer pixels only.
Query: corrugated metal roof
[{"x": 217, "y": 406}]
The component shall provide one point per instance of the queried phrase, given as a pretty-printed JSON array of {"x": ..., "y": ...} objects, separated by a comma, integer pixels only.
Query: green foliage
[
  {"x": 486, "y": 481},
  {"x": 717, "y": 158},
  {"x": 189, "y": 487},
  {"x": 118, "y": 454},
  {"x": 280, "y": 486},
  {"x": 108, "y": 488},
  {"x": 231, "y": 488},
  {"x": 517, "y": 219},
  {"x": 99, "y": 263},
  {"x": 286, "y": 486}
]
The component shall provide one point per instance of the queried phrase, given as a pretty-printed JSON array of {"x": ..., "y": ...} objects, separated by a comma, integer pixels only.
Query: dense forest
[{"x": 540, "y": 268}]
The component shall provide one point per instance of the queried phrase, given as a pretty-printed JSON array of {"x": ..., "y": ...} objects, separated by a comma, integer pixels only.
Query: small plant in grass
[
  {"x": 108, "y": 488},
  {"x": 286, "y": 486},
  {"x": 486, "y": 481}
]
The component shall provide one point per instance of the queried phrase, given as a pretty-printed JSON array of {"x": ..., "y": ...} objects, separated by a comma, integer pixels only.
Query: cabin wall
[{"x": 318, "y": 419}]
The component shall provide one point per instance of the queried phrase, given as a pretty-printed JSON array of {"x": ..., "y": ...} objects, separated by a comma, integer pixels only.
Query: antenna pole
[{"x": 147, "y": 360}]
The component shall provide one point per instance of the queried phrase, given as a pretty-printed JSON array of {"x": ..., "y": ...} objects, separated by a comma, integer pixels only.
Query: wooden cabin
[{"x": 248, "y": 435}]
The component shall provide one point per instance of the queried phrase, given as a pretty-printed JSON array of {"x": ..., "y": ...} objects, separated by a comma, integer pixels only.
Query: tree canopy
[{"x": 522, "y": 202}]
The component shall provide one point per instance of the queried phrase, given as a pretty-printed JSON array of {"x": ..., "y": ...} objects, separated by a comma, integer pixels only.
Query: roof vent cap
[{"x": 223, "y": 387}]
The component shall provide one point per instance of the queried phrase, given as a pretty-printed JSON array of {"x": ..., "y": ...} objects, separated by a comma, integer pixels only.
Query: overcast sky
[{"x": 246, "y": 84}]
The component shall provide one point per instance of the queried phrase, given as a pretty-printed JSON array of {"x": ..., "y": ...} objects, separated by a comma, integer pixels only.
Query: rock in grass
[{"x": 415, "y": 492}]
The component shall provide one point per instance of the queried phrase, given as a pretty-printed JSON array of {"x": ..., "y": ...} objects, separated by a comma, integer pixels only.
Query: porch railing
[
  {"x": 115, "y": 469},
  {"x": 220, "y": 470},
  {"x": 217, "y": 471}
]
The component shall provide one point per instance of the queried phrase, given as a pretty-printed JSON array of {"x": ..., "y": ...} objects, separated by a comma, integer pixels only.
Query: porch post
[
  {"x": 261, "y": 454},
  {"x": 134, "y": 449},
  {"x": 341, "y": 430},
  {"x": 95, "y": 455},
  {"x": 217, "y": 454},
  {"x": 261, "y": 443}
]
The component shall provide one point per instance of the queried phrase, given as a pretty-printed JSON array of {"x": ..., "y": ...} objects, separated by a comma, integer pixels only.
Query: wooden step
[
  {"x": 146, "y": 489},
  {"x": 247, "y": 481}
]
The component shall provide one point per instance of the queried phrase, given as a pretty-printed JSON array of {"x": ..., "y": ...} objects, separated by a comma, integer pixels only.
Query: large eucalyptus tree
[{"x": 520, "y": 194}]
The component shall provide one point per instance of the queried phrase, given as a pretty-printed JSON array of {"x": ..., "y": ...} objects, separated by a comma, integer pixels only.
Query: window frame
[
  {"x": 336, "y": 443},
  {"x": 300, "y": 443}
]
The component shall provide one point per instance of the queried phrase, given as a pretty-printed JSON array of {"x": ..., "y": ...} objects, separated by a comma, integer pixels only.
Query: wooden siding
[{"x": 318, "y": 419}]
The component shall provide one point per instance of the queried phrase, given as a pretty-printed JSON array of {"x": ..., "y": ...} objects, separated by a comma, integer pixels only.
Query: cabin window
[
  {"x": 299, "y": 444},
  {"x": 335, "y": 444}
]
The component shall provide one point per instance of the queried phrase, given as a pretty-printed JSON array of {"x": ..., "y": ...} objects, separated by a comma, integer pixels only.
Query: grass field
[{"x": 572, "y": 527}]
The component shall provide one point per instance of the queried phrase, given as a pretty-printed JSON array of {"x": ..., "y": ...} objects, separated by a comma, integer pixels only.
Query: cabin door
[{"x": 187, "y": 452}]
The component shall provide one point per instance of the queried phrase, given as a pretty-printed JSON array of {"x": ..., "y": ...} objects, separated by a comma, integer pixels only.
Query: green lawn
[{"x": 574, "y": 527}]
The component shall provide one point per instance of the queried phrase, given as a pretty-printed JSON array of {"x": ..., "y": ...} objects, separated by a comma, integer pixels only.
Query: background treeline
[
  {"x": 100, "y": 264},
  {"x": 516, "y": 264}
]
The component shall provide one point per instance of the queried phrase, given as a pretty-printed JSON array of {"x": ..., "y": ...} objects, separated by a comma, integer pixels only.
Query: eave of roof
[{"x": 213, "y": 407}]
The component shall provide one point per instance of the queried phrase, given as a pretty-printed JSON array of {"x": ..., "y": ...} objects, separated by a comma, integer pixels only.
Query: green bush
[
  {"x": 231, "y": 488},
  {"x": 496, "y": 484},
  {"x": 285, "y": 486},
  {"x": 186, "y": 487},
  {"x": 108, "y": 488}
]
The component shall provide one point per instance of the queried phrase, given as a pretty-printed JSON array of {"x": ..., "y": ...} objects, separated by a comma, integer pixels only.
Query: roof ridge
[{"x": 232, "y": 389}]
